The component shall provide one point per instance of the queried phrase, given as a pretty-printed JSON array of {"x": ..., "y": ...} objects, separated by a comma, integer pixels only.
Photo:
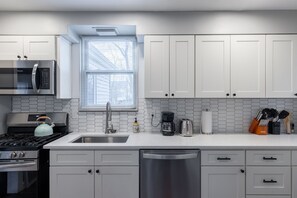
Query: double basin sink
[{"x": 101, "y": 139}]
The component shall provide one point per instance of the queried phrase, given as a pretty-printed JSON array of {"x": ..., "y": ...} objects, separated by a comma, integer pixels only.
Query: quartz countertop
[{"x": 158, "y": 141}]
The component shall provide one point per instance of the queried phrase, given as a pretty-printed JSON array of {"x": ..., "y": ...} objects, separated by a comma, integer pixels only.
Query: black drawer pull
[
  {"x": 269, "y": 158},
  {"x": 269, "y": 181},
  {"x": 223, "y": 158}
]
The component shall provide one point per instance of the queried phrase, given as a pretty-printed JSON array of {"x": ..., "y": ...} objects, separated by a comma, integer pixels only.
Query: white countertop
[{"x": 154, "y": 141}]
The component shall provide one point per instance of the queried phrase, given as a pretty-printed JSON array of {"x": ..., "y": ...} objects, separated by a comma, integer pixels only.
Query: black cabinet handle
[
  {"x": 227, "y": 94},
  {"x": 172, "y": 94},
  {"x": 19, "y": 57},
  {"x": 241, "y": 170},
  {"x": 90, "y": 171},
  {"x": 97, "y": 171},
  {"x": 223, "y": 158},
  {"x": 269, "y": 158},
  {"x": 269, "y": 181},
  {"x": 234, "y": 94},
  {"x": 166, "y": 94},
  {"x": 295, "y": 94},
  {"x": 25, "y": 57}
]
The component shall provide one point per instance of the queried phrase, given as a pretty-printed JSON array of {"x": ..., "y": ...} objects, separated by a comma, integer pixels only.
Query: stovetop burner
[{"x": 25, "y": 141}]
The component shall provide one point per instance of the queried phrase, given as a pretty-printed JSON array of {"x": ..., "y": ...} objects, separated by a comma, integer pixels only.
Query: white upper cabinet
[
  {"x": 156, "y": 55},
  {"x": 39, "y": 47},
  {"x": 27, "y": 48},
  {"x": 212, "y": 66},
  {"x": 281, "y": 66},
  {"x": 248, "y": 66},
  {"x": 11, "y": 47},
  {"x": 182, "y": 71}
]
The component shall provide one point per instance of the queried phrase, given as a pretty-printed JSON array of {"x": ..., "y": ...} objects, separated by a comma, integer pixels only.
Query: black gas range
[{"x": 24, "y": 164}]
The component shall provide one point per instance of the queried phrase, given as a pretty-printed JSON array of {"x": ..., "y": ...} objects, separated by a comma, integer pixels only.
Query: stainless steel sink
[{"x": 101, "y": 139}]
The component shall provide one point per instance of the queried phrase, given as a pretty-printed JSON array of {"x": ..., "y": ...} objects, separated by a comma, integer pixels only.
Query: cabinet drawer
[
  {"x": 222, "y": 158},
  {"x": 294, "y": 158},
  {"x": 267, "y": 196},
  {"x": 71, "y": 158},
  {"x": 268, "y": 180},
  {"x": 270, "y": 158},
  {"x": 116, "y": 157}
]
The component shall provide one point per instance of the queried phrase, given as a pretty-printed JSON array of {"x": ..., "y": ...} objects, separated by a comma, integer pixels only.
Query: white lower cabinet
[
  {"x": 294, "y": 182},
  {"x": 72, "y": 182},
  {"x": 222, "y": 182},
  {"x": 116, "y": 182},
  {"x": 267, "y": 196}
]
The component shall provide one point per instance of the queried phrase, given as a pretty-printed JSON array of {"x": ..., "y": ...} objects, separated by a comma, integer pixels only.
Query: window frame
[{"x": 83, "y": 75}]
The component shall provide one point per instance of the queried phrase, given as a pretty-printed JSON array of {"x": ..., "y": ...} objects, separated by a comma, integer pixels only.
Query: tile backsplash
[{"x": 229, "y": 115}]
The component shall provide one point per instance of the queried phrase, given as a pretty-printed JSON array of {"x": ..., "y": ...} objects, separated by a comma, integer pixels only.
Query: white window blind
[{"x": 108, "y": 73}]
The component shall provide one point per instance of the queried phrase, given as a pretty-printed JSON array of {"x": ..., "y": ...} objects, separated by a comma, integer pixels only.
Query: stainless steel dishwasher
[{"x": 170, "y": 174}]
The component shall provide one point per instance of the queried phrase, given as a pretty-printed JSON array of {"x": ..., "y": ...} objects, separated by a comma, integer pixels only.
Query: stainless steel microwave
[{"x": 26, "y": 77}]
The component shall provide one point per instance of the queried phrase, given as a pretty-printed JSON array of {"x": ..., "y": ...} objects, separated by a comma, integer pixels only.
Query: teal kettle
[{"x": 44, "y": 129}]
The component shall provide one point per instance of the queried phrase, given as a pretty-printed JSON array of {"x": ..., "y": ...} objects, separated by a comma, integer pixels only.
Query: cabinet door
[
  {"x": 281, "y": 65},
  {"x": 182, "y": 71},
  {"x": 156, "y": 55},
  {"x": 72, "y": 182},
  {"x": 222, "y": 182},
  {"x": 294, "y": 182},
  {"x": 212, "y": 66},
  {"x": 11, "y": 47},
  {"x": 248, "y": 66},
  {"x": 116, "y": 182},
  {"x": 39, "y": 47}
]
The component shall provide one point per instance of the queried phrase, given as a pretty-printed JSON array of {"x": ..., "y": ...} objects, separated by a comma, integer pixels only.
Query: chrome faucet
[{"x": 108, "y": 125}]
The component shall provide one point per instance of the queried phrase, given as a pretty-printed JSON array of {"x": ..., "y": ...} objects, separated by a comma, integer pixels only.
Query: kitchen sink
[{"x": 102, "y": 139}]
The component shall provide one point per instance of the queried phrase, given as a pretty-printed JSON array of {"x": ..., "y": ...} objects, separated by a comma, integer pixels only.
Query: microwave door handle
[{"x": 34, "y": 72}]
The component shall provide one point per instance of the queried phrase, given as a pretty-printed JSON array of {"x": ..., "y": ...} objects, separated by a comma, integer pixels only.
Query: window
[{"x": 108, "y": 73}]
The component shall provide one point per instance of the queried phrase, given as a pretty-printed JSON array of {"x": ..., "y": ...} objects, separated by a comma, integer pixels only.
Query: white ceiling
[{"x": 145, "y": 5}]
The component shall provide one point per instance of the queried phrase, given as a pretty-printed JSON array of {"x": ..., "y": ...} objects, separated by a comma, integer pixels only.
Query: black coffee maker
[{"x": 167, "y": 124}]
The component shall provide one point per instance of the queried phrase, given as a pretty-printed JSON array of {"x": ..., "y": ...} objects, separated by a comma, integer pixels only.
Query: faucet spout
[{"x": 108, "y": 126}]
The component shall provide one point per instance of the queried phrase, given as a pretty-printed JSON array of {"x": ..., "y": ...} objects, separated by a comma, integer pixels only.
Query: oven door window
[{"x": 19, "y": 184}]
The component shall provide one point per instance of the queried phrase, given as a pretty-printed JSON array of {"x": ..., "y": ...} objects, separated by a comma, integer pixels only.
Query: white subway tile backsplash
[{"x": 229, "y": 115}]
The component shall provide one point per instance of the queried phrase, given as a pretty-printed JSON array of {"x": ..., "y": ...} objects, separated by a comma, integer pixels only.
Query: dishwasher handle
[{"x": 170, "y": 157}]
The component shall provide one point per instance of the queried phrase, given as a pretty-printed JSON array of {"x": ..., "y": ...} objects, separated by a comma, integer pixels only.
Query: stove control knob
[
  {"x": 22, "y": 154},
  {"x": 13, "y": 155}
]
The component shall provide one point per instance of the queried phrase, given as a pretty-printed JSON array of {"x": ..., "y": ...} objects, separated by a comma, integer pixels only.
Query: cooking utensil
[
  {"x": 44, "y": 129},
  {"x": 282, "y": 115},
  {"x": 287, "y": 123},
  {"x": 274, "y": 114},
  {"x": 255, "y": 122}
]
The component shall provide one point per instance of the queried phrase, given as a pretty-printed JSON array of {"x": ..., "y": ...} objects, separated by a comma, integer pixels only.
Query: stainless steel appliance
[
  {"x": 25, "y": 77},
  {"x": 24, "y": 164},
  {"x": 170, "y": 173},
  {"x": 167, "y": 124},
  {"x": 186, "y": 127}
]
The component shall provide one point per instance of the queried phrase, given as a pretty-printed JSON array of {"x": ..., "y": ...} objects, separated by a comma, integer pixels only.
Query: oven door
[
  {"x": 19, "y": 178},
  {"x": 27, "y": 77}
]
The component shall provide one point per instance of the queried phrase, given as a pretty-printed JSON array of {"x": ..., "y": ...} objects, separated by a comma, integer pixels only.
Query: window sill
[{"x": 84, "y": 109}]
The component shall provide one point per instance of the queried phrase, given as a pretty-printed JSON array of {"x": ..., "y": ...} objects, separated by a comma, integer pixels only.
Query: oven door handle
[
  {"x": 34, "y": 72},
  {"x": 18, "y": 165}
]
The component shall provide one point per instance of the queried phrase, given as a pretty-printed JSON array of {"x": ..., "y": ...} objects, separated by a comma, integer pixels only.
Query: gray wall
[
  {"x": 249, "y": 22},
  {"x": 5, "y": 107}
]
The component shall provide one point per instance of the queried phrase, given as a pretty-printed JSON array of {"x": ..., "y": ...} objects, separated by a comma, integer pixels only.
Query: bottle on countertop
[{"x": 135, "y": 126}]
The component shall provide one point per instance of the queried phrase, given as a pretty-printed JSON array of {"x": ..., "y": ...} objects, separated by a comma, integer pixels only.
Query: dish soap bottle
[{"x": 135, "y": 126}]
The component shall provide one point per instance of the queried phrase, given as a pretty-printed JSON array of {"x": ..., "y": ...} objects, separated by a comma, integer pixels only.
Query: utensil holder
[
  {"x": 262, "y": 130},
  {"x": 254, "y": 125},
  {"x": 274, "y": 128}
]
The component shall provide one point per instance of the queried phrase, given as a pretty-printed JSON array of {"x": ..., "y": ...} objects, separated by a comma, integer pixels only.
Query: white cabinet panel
[
  {"x": 222, "y": 182},
  {"x": 58, "y": 158},
  {"x": 156, "y": 55},
  {"x": 212, "y": 66},
  {"x": 117, "y": 182},
  {"x": 11, "y": 47},
  {"x": 222, "y": 158},
  {"x": 281, "y": 65},
  {"x": 72, "y": 182},
  {"x": 268, "y": 158},
  {"x": 248, "y": 66},
  {"x": 182, "y": 72},
  {"x": 294, "y": 182},
  {"x": 267, "y": 196},
  {"x": 116, "y": 158},
  {"x": 40, "y": 47},
  {"x": 268, "y": 180}
]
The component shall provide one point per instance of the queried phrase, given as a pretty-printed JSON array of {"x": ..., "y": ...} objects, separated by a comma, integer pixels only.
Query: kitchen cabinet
[
  {"x": 213, "y": 66},
  {"x": 169, "y": 66},
  {"x": 27, "y": 48},
  {"x": 72, "y": 182},
  {"x": 94, "y": 174},
  {"x": 248, "y": 66},
  {"x": 281, "y": 66},
  {"x": 116, "y": 182},
  {"x": 222, "y": 182}
]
